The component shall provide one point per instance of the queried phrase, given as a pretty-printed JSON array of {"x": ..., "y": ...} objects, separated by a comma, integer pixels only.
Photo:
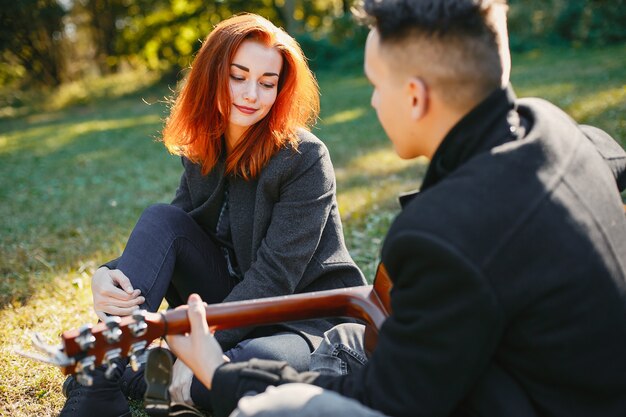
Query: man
[{"x": 509, "y": 267}]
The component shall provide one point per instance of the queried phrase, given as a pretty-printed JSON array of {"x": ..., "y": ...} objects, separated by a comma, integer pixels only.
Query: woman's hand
[
  {"x": 198, "y": 350},
  {"x": 113, "y": 293},
  {"x": 180, "y": 388}
]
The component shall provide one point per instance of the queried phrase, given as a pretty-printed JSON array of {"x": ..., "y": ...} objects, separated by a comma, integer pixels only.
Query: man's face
[{"x": 390, "y": 98}]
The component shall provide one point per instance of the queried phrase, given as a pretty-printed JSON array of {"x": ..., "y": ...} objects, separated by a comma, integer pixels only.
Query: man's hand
[
  {"x": 180, "y": 388},
  {"x": 113, "y": 293},
  {"x": 199, "y": 349}
]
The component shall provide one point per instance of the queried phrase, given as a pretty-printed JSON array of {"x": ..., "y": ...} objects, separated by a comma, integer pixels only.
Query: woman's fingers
[
  {"x": 101, "y": 314},
  {"x": 109, "y": 282},
  {"x": 103, "y": 302},
  {"x": 121, "y": 281},
  {"x": 115, "y": 310},
  {"x": 109, "y": 298}
]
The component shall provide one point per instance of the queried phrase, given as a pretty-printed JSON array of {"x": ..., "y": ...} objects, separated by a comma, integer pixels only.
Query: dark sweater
[{"x": 509, "y": 272}]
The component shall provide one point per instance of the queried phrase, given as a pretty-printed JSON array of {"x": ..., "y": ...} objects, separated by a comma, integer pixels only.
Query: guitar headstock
[{"x": 89, "y": 346}]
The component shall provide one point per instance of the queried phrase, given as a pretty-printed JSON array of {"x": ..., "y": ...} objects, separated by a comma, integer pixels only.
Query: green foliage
[
  {"x": 577, "y": 22},
  {"x": 44, "y": 43},
  {"x": 338, "y": 48},
  {"x": 30, "y": 31},
  {"x": 165, "y": 34}
]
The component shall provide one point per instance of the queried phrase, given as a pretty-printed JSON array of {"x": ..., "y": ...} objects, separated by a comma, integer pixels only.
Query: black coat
[{"x": 509, "y": 271}]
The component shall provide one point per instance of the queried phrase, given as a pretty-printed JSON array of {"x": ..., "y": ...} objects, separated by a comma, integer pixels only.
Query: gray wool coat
[{"x": 285, "y": 226}]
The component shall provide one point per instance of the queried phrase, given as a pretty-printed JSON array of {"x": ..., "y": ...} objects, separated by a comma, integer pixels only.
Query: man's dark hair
[
  {"x": 395, "y": 19},
  {"x": 460, "y": 33}
]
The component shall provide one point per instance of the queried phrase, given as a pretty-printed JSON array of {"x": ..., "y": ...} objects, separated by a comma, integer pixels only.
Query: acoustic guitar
[{"x": 89, "y": 346}]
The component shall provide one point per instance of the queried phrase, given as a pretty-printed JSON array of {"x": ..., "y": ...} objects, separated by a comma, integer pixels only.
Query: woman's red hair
[{"x": 200, "y": 114}]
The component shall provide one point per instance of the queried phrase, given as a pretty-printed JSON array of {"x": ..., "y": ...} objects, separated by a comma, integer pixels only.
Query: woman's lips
[{"x": 245, "y": 110}]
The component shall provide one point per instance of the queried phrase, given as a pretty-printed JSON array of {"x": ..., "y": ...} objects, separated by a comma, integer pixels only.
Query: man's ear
[{"x": 418, "y": 92}]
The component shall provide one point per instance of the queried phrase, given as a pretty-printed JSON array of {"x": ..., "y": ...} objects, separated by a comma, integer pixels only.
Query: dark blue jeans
[{"x": 168, "y": 255}]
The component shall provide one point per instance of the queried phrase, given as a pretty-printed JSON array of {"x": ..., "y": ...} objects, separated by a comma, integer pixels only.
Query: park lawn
[{"x": 75, "y": 177}]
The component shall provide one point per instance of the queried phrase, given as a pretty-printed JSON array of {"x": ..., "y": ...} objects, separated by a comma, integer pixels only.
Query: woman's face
[{"x": 254, "y": 74}]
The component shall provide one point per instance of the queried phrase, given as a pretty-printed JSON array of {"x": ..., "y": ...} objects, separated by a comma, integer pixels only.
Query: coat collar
[{"x": 472, "y": 135}]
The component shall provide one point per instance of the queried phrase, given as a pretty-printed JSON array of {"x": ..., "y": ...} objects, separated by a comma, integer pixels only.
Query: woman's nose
[{"x": 251, "y": 93}]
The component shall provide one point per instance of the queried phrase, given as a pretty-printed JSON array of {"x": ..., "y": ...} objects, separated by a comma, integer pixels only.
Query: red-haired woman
[{"x": 255, "y": 214}]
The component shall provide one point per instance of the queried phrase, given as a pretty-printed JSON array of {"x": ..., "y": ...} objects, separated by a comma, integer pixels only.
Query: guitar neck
[{"x": 356, "y": 302}]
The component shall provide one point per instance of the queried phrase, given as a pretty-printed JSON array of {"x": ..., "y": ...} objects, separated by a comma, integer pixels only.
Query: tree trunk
[
  {"x": 288, "y": 12},
  {"x": 102, "y": 15}
]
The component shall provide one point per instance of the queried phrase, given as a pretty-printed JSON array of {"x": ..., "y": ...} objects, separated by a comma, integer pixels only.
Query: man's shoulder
[{"x": 550, "y": 174}]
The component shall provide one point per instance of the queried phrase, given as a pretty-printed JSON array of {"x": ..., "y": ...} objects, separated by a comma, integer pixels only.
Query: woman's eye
[
  {"x": 268, "y": 85},
  {"x": 237, "y": 77}
]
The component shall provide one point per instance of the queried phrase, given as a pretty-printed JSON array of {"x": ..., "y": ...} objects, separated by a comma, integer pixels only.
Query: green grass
[{"x": 78, "y": 166}]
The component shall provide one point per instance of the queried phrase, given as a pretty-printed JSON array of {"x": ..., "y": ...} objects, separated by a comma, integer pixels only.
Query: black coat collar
[{"x": 474, "y": 134}]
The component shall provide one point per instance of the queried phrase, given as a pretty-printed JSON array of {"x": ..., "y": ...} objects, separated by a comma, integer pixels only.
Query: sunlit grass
[
  {"x": 84, "y": 91},
  {"x": 30, "y": 388},
  {"x": 73, "y": 180},
  {"x": 595, "y": 104},
  {"x": 589, "y": 84},
  {"x": 345, "y": 116},
  {"x": 372, "y": 181}
]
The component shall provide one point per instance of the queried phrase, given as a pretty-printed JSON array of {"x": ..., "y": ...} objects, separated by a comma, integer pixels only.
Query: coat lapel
[
  {"x": 242, "y": 219},
  {"x": 207, "y": 192}
]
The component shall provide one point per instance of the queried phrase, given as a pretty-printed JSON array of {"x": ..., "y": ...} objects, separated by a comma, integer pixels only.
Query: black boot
[
  {"x": 102, "y": 399},
  {"x": 133, "y": 384}
]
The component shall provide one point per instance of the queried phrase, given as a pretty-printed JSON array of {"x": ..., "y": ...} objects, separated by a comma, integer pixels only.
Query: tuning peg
[
  {"x": 49, "y": 354},
  {"x": 139, "y": 327},
  {"x": 85, "y": 338},
  {"x": 136, "y": 349},
  {"x": 84, "y": 369},
  {"x": 113, "y": 332},
  {"x": 108, "y": 361}
]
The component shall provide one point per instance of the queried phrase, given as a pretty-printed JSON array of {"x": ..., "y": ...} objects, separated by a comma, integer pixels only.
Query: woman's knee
[
  {"x": 163, "y": 213},
  {"x": 165, "y": 220}
]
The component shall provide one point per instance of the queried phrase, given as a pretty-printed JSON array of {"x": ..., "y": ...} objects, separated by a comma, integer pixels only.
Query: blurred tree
[
  {"x": 287, "y": 9},
  {"x": 166, "y": 36},
  {"x": 591, "y": 21},
  {"x": 30, "y": 36},
  {"x": 101, "y": 36},
  {"x": 345, "y": 6},
  {"x": 578, "y": 22},
  {"x": 104, "y": 17}
]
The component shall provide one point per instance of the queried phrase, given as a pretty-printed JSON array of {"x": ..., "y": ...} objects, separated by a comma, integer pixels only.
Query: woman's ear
[{"x": 418, "y": 93}]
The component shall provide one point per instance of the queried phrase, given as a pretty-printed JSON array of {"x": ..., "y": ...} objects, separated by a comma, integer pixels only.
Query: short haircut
[
  {"x": 199, "y": 116},
  {"x": 452, "y": 44}
]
